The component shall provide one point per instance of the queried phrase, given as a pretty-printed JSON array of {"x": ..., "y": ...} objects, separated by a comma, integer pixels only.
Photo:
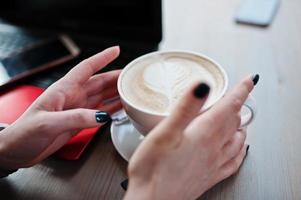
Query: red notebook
[{"x": 14, "y": 102}]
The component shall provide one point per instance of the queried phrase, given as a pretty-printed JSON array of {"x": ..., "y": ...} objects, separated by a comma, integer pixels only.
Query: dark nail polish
[
  {"x": 102, "y": 117},
  {"x": 255, "y": 79},
  {"x": 201, "y": 91},
  {"x": 124, "y": 184},
  {"x": 247, "y": 148}
]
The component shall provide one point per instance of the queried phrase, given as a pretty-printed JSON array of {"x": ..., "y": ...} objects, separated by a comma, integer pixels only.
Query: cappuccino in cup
[
  {"x": 150, "y": 86},
  {"x": 155, "y": 83}
]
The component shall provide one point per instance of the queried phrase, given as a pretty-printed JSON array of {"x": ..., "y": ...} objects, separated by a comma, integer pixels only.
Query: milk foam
[{"x": 156, "y": 83}]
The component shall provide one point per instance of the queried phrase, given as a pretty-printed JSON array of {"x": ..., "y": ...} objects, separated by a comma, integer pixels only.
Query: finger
[
  {"x": 111, "y": 107},
  {"x": 97, "y": 99},
  {"x": 84, "y": 70},
  {"x": 234, "y": 100},
  {"x": 99, "y": 82},
  {"x": 187, "y": 108},
  {"x": 233, "y": 165},
  {"x": 228, "y": 130},
  {"x": 59, "y": 141},
  {"x": 232, "y": 147},
  {"x": 79, "y": 119}
]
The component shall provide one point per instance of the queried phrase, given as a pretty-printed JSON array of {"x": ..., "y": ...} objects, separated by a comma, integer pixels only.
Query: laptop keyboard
[
  {"x": 128, "y": 53},
  {"x": 11, "y": 42}
]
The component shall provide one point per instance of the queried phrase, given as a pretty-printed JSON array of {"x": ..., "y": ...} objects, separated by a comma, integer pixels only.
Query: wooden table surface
[{"x": 272, "y": 169}]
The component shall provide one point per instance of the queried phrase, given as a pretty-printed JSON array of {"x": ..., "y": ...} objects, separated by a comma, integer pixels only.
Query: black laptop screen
[{"x": 129, "y": 19}]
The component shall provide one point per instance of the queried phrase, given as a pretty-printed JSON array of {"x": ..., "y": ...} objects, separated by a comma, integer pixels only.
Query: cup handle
[{"x": 248, "y": 112}]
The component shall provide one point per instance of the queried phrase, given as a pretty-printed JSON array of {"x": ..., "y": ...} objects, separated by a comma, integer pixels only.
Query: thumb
[
  {"x": 188, "y": 107},
  {"x": 80, "y": 118}
]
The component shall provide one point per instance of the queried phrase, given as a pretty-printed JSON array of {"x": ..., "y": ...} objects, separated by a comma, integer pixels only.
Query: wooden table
[{"x": 272, "y": 169}]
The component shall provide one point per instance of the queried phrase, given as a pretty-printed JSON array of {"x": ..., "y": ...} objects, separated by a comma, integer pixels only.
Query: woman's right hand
[
  {"x": 69, "y": 105},
  {"x": 188, "y": 153}
]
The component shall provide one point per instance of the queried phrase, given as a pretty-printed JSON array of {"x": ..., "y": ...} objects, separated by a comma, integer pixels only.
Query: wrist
[
  {"x": 154, "y": 189},
  {"x": 139, "y": 191},
  {"x": 2, "y": 140},
  {"x": 3, "y": 171},
  {"x": 148, "y": 190}
]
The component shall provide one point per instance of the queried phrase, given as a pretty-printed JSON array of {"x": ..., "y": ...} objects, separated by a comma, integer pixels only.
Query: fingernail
[
  {"x": 201, "y": 91},
  {"x": 124, "y": 184},
  {"x": 102, "y": 117},
  {"x": 255, "y": 79},
  {"x": 247, "y": 149}
]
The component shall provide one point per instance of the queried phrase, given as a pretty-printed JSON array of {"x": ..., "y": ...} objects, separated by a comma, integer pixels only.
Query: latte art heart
[
  {"x": 156, "y": 83},
  {"x": 167, "y": 78}
]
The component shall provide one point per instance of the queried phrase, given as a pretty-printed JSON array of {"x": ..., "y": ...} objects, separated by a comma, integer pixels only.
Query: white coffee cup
[{"x": 144, "y": 120}]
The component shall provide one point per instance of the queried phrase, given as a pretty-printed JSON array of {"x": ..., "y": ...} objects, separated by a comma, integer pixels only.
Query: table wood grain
[{"x": 272, "y": 169}]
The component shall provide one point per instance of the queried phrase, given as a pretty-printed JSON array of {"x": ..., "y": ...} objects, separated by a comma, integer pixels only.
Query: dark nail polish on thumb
[
  {"x": 102, "y": 117},
  {"x": 201, "y": 91}
]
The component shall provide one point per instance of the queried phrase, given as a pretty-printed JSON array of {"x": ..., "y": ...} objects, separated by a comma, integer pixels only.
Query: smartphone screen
[{"x": 36, "y": 59}]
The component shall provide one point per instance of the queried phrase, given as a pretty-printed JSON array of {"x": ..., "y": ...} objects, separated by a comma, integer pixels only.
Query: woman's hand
[
  {"x": 188, "y": 153},
  {"x": 66, "y": 107}
]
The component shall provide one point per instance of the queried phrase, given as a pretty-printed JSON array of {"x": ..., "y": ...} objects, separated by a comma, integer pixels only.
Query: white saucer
[{"x": 125, "y": 137}]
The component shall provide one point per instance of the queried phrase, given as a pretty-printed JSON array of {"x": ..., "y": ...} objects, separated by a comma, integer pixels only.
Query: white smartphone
[
  {"x": 38, "y": 58},
  {"x": 257, "y": 12}
]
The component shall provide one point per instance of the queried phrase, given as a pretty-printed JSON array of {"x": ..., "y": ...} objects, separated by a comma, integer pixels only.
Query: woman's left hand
[
  {"x": 66, "y": 107},
  {"x": 188, "y": 152}
]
